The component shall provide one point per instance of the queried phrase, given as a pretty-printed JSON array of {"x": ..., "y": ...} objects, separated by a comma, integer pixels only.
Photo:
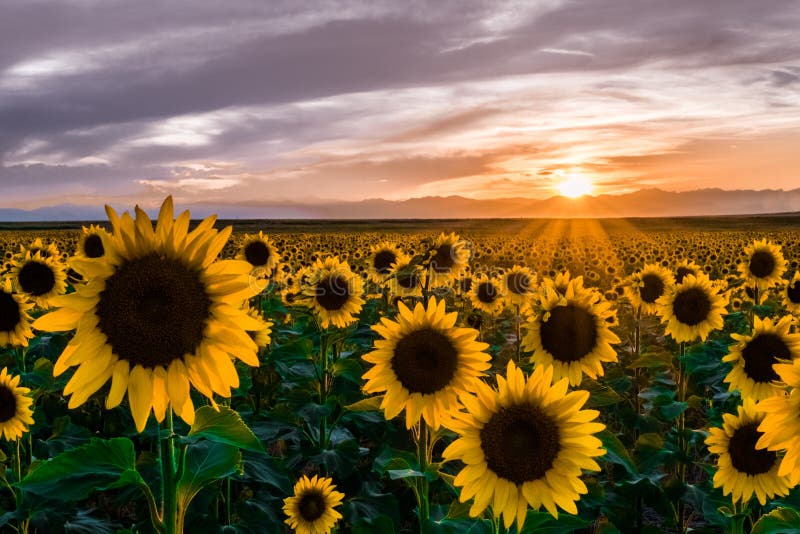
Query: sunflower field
[{"x": 171, "y": 375}]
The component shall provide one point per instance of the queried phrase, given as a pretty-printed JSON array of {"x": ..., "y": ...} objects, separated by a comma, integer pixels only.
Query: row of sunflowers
[{"x": 410, "y": 383}]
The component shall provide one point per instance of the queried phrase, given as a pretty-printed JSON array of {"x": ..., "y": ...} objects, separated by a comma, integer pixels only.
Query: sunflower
[
  {"x": 520, "y": 286},
  {"x": 333, "y": 292},
  {"x": 92, "y": 243},
  {"x": 781, "y": 425},
  {"x": 447, "y": 258},
  {"x": 571, "y": 332},
  {"x": 646, "y": 286},
  {"x": 764, "y": 265},
  {"x": 686, "y": 268},
  {"x": 691, "y": 309},
  {"x": 257, "y": 250},
  {"x": 424, "y": 363},
  {"x": 156, "y": 316},
  {"x": 407, "y": 280},
  {"x": 791, "y": 294},
  {"x": 382, "y": 260},
  {"x": 15, "y": 323},
  {"x": 754, "y": 355},
  {"x": 524, "y": 444},
  {"x": 261, "y": 336},
  {"x": 311, "y": 509},
  {"x": 742, "y": 468},
  {"x": 40, "y": 278},
  {"x": 49, "y": 250},
  {"x": 486, "y": 294},
  {"x": 15, "y": 407}
]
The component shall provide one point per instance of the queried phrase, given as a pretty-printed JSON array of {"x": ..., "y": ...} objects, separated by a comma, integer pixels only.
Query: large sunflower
[
  {"x": 40, "y": 278},
  {"x": 754, "y": 355},
  {"x": 424, "y": 363},
  {"x": 15, "y": 323},
  {"x": 333, "y": 292},
  {"x": 742, "y": 468},
  {"x": 791, "y": 294},
  {"x": 15, "y": 407},
  {"x": 312, "y": 508},
  {"x": 570, "y": 332},
  {"x": 646, "y": 286},
  {"x": 524, "y": 444},
  {"x": 156, "y": 316},
  {"x": 258, "y": 251},
  {"x": 781, "y": 426},
  {"x": 486, "y": 294},
  {"x": 520, "y": 285},
  {"x": 764, "y": 264},
  {"x": 691, "y": 309},
  {"x": 447, "y": 258}
]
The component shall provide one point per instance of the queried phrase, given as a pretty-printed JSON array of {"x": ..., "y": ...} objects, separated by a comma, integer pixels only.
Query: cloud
[{"x": 351, "y": 100}]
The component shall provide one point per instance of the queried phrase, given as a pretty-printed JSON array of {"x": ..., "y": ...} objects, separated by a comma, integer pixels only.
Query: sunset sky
[{"x": 308, "y": 101}]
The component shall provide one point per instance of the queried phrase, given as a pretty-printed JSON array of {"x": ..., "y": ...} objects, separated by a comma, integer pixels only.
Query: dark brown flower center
[
  {"x": 519, "y": 283},
  {"x": 93, "y": 246},
  {"x": 762, "y": 263},
  {"x": 652, "y": 288},
  {"x": 486, "y": 292},
  {"x": 36, "y": 278},
  {"x": 691, "y": 306},
  {"x": 408, "y": 281},
  {"x": 9, "y": 312},
  {"x": 383, "y": 260},
  {"x": 569, "y": 334},
  {"x": 8, "y": 403},
  {"x": 443, "y": 259},
  {"x": 256, "y": 253},
  {"x": 333, "y": 293},
  {"x": 312, "y": 505},
  {"x": 793, "y": 292},
  {"x": 153, "y": 311},
  {"x": 744, "y": 455},
  {"x": 520, "y": 443},
  {"x": 760, "y": 353},
  {"x": 425, "y": 361},
  {"x": 683, "y": 272}
]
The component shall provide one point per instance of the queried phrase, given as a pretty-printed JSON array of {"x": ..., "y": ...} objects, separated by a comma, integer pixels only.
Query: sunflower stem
[
  {"x": 681, "y": 464},
  {"x": 169, "y": 480},
  {"x": 637, "y": 350},
  {"x": 423, "y": 506}
]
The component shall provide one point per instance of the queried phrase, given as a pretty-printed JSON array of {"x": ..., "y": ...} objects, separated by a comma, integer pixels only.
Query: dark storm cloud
[{"x": 83, "y": 79}]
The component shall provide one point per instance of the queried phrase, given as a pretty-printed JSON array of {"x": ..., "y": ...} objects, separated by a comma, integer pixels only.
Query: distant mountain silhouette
[{"x": 642, "y": 203}]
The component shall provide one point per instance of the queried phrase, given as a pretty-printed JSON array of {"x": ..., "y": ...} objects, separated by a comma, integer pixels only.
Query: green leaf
[
  {"x": 652, "y": 360},
  {"x": 543, "y": 523},
  {"x": 348, "y": 369},
  {"x": 395, "y": 474},
  {"x": 77, "y": 473},
  {"x": 206, "y": 462},
  {"x": 224, "y": 426},
  {"x": 603, "y": 396},
  {"x": 779, "y": 521},
  {"x": 673, "y": 410},
  {"x": 370, "y": 404},
  {"x": 616, "y": 452}
]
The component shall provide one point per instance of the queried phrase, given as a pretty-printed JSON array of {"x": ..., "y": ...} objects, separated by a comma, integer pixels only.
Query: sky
[{"x": 251, "y": 101}]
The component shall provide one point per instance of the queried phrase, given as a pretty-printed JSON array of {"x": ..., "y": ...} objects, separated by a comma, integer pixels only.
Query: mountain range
[{"x": 642, "y": 203}]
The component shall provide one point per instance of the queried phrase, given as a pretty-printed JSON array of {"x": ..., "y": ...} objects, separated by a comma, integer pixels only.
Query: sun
[{"x": 575, "y": 186}]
